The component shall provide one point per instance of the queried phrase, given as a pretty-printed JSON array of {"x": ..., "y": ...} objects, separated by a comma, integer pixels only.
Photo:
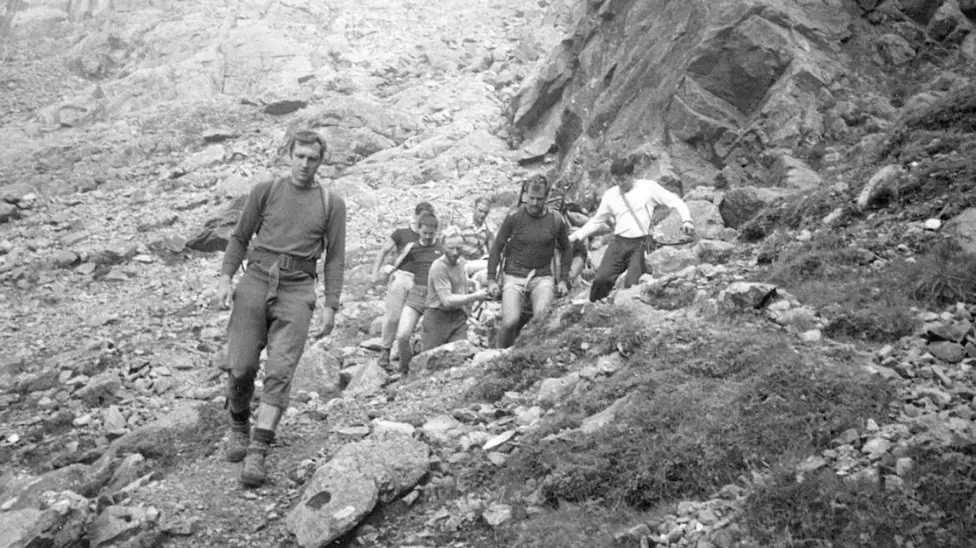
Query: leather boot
[
  {"x": 254, "y": 473},
  {"x": 238, "y": 440}
]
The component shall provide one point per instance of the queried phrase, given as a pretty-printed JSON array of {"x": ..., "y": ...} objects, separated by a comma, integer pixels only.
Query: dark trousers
[{"x": 622, "y": 254}]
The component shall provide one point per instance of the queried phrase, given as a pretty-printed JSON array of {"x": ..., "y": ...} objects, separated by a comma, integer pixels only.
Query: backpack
[
  {"x": 326, "y": 195},
  {"x": 557, "y": 222}
]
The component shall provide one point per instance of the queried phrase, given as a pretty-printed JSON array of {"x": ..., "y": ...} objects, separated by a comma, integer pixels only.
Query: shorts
[
  {"x": 417, "y": 297},
  {"x": 538, "y": 289}
]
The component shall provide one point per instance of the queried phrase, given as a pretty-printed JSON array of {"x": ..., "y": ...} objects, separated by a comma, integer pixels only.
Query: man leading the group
[
  {"x": 446, "y": 317},
  {"x": 401, "y": 281},
  {"x": 529, "y": 237},
  {"x": 629, "y": 206},
  {"x": 292, "y": 220}
]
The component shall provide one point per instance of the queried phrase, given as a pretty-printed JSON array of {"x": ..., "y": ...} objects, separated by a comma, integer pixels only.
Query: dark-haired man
[
  {"x": 416, "y": 259},
  {"x": 292, "y": 220},
  {"x": 628, "y": 206},
  {"x": 401, "y": 280},
  {"x": 529, "y": 237}
]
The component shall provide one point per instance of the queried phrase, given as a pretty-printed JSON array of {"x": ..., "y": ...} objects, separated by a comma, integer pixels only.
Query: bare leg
[
  {"x": 512, "y": 302},
  {"x": 405, "y": 327}
]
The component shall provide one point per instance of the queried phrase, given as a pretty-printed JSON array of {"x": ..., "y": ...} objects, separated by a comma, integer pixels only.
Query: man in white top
[{"x": 629, "y": 206}]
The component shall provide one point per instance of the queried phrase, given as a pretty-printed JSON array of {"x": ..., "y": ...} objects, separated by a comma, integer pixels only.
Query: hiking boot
[
  {"x": 239, "y": 438},
  {"x": 384, "y": 360},
  {"x": 254, "y": 473}
]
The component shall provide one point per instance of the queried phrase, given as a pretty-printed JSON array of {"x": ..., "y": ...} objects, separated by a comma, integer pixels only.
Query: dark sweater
[
  {"x": 403, "y": 236},
  {"x": 293, "y": 223},
  {"x": 419, "y": 259},
  {"x": 529, "y": 243}
]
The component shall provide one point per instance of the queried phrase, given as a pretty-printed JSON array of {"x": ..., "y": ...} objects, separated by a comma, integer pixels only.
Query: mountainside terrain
[{"x": 801, "y": 374}]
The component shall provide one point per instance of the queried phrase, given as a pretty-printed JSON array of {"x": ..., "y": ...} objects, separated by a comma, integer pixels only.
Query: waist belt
[{"x": 284, "y": 261}]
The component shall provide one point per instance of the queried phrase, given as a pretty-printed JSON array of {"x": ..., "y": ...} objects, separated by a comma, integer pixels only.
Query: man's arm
[
  {"x": 335, "y": 255},
  {"x": 440, "y": 282},
  {"x": 240, "y": 238},
  {"x": 504, "y": 233},
  {"x": 660, "y": 195},
  {"x": 598, "y": 221},
  {"x": 385, "y": 251}
]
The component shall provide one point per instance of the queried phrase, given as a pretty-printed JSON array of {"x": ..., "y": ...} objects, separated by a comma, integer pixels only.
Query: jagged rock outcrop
[{"x": 724, "y": 93}]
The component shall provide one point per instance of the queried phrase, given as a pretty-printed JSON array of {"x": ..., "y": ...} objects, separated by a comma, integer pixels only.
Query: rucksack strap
[
  {"x": 646, "y": 231},
  {"x": 403, "y": 255}
]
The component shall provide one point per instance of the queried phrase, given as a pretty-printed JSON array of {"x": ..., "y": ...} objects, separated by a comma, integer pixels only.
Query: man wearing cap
[
  {"x": 290, "y": 222},
  {"x": 628, "y": 206}
]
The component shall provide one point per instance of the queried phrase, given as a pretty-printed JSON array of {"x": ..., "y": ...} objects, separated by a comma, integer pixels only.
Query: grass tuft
[
  {"x": 702, "y": 410},
  {"x": 943, "y": 277},
  {"x": 933, "y": 507}
]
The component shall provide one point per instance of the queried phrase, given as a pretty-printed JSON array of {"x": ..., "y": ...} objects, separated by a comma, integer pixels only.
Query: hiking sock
[
  {"x": 241, "y": 417},
  {"x": 239, "y": 437},
  {"x": 263, "y": 436}
]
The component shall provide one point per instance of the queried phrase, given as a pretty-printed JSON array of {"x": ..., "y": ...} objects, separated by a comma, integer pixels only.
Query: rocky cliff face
[{"x": 730, "y": 92}]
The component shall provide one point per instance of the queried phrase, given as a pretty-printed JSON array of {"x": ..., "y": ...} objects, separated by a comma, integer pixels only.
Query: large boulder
[
  {"x": 157, "y": 437},
  {"x": 28, "y": 491},
  {"x": 59, "y": 522},
  {"x": 700, "y": 86},
  {"x": 707, "y": 219},
  {"x": 443, "y": 357},
  {"x": 217, "y": 229},
  {"x": 746, "y": 296},
  {"x": 118, "y": 524},
  {"x": 347, "y": 488},
  {"x": 962, "y": 228},
  {"x": 667, "y": 260},
  {"x": 742, "y": 204},
  {"x": 881, "y": 187},
  {"x": 318, "y": 371}
]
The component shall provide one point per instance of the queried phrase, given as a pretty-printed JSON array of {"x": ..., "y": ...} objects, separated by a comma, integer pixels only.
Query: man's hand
[
  {"x": 562, "y": 289},
  {"x": 573, "y": 237},
  {"x": 688, "y": 229},
  {"x": 383, "y": 274},
  {"x": 225, "y": 292},
  {"x": 479, "y": 295},
  {"x": 492, "y": 289},
  {"x": 328, "y": 322}
]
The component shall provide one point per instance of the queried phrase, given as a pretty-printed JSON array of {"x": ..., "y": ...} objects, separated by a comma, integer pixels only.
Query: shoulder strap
[
  {"x": 403, "y": 256},
  {"x": 326, "y": 201},
  {"x": 557, "y": 222},
  {"x": 264, "y": 202},
  {"x": 623, "y": 196}
]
